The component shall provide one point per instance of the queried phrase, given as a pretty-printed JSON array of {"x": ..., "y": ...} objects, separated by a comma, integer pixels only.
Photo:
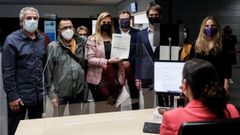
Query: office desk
[{"x": 114, "y": 123}]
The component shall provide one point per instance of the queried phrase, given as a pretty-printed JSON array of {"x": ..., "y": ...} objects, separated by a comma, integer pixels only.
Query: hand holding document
[{"x": 120, "y": 46}]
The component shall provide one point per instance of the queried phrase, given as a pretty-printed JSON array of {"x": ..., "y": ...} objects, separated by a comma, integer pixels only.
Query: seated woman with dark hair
[{"x": 207, "y": 98}]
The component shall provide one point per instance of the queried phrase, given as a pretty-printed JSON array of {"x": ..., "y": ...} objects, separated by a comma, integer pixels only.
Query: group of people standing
[
  {"x": 64, "y": 70},
  {"x": 73, "y": 64}
]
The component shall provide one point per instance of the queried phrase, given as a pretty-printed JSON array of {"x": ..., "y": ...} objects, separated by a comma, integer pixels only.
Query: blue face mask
[
  {"x": 125, "y": 23},
  {"x": 210, "y": 32},
  {"x": 30, "y": 25}
]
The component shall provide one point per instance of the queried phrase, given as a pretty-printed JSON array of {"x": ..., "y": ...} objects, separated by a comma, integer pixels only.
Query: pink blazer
[
  {"x": 97, "y": 61},
  {"x": 194, "y": 111}
]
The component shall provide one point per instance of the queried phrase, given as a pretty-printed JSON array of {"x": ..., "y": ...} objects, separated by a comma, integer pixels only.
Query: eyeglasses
[{"x": 66, "y": 27}]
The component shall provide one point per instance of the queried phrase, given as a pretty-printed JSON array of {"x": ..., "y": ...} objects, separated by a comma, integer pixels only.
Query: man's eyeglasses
[{"x": 66, "y": 27}]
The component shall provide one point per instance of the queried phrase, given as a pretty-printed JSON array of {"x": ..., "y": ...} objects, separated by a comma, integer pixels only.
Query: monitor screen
[
  {"x": 168, "y": 76},
  {"x": 133, "y": 7}
]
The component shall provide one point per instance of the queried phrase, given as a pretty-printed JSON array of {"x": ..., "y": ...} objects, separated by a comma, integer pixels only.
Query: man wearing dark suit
[
  {"x": 125, "y": 28},
  {"x": 147, "y": 51}
]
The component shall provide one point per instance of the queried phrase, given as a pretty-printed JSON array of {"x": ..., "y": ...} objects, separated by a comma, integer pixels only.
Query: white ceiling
[{"x": 62, "y": 2}]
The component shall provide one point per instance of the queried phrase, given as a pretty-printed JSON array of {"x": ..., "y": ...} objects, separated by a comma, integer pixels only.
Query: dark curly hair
[{"x": 203, "y": 80}]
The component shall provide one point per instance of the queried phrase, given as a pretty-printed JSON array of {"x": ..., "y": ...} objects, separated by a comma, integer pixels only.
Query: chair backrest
[{"x": 215, "y": 127}]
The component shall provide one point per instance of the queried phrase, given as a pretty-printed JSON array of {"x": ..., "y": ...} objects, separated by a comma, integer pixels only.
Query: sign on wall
[{"x": 50, "y": 29}]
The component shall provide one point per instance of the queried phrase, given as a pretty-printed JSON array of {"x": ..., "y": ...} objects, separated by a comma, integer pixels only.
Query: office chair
[{"x": 214, "y": 127}]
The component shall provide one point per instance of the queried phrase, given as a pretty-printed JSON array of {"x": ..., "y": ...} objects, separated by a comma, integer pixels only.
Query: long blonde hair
[
  {"x": 202, "y": 42},
  {"x": 98, "y": 34}
]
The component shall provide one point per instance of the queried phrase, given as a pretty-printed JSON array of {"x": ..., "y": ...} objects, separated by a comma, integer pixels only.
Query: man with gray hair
[{"x": 22, "y": 66}]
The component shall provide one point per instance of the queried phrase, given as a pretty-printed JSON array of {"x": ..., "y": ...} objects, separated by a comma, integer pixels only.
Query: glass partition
[
  {"x": 109, "y": 95},
  {"x": 3, "y": 102}
]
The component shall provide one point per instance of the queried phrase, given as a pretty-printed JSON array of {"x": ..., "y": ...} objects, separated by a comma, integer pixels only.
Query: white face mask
[
  {"x": 67, "y": 34},
  {"x": 30, "y": 25},
  {"x": 185, "y": 35},
  {"x": 84, "y": 37}
]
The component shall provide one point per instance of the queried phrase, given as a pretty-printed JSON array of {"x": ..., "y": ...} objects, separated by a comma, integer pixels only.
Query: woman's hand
[{"x": 114, "y": 60}]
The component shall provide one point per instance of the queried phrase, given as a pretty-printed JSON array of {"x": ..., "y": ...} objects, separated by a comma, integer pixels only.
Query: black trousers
[
  {"x": 34, "y": 111},
  {"x": 134, "y": 92}
]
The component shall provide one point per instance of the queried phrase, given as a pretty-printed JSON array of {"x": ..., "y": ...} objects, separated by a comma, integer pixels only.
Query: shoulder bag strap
[{"x": 69, "y": 52}]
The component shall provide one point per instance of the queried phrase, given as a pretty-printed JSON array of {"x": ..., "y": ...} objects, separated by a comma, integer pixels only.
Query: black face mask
[
  {"x": 106, "y": 28},
  {"x": 153, "y": 20}
]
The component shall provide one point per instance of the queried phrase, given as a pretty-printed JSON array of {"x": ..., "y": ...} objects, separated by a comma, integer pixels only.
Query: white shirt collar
[{"x": 122, "y": 32}]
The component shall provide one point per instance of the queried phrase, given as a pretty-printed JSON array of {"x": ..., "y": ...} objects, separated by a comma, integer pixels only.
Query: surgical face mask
[
  {"x": 30, "y": 25},
  {"x": 106, "y": 28},
  {"x": 125, "y": 23},
  {"x": 153, "y": 20},
  {"x": 67, "y": 34},
  {"x": 82, "y": 36},
  {"x": 185, "y": 35},
  {"x": 210, "y": 31}
]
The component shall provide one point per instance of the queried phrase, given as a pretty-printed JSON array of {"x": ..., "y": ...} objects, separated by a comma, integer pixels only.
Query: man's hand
[
  {"x": 126, "y": 64},
  {"x": 138, "y": 84},
  {"x": 54, "y": 102},
  {"x": 15, "y": 105}
]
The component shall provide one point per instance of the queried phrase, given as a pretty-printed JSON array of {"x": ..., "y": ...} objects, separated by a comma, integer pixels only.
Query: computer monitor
[
  {"x": 133, "y": 7},
  {"x": 168, "y": 77}
]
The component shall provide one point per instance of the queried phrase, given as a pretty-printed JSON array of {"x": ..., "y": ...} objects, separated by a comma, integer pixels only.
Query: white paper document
[
  {"x": 165, "y": 53},
  {"x": 122, "y": 97},
  {"x": 120, "y": 46}
]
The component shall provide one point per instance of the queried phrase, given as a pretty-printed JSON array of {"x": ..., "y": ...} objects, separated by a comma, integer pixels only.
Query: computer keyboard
[{"x": 150, "y": 127}]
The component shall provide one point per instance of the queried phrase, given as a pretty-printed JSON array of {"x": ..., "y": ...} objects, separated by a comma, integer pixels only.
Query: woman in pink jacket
[
  {"x": 207, "y": 98},
  {"x": 105, "y": 75}
]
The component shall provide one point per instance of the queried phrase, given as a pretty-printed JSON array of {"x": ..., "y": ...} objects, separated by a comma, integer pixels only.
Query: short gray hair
[{"x": 23, "y": 11}]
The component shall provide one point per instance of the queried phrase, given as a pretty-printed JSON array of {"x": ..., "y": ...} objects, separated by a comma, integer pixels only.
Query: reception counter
[{"x": 114, "y": 123}]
